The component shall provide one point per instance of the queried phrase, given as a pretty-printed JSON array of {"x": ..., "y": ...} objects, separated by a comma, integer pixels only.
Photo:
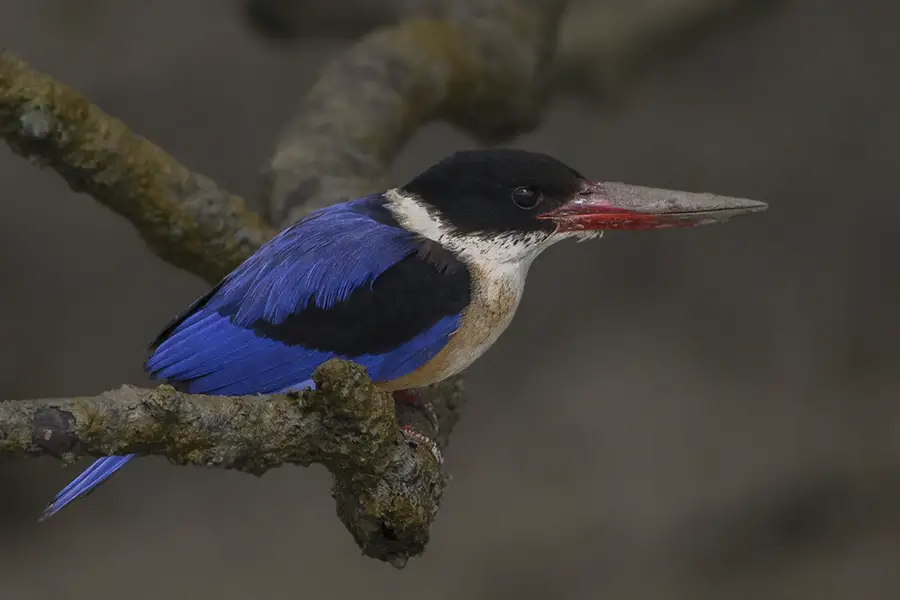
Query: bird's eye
[{"x": 526, "y": 197}]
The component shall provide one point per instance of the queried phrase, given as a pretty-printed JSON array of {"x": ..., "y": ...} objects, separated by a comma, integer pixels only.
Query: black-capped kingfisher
[{"x": 413, "y": 283}]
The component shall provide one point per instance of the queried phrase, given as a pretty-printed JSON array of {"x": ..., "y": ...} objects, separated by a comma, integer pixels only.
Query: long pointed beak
[{"x": 612, "y": 205}]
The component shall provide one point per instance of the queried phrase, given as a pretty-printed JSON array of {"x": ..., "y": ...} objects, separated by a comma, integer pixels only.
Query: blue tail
[
  {"x": 93, "y": 476},
  {"x": 104, "y": 468}
]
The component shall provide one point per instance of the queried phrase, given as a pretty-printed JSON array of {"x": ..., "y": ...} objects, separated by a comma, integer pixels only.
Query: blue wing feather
[
  {"x": 319, "y": 261},
  {"x": 101, "y": 470},
  {"x": 225, "y": 359},
  {"x": 324, "y": 257},
  {"x": 217, "y": 347}
]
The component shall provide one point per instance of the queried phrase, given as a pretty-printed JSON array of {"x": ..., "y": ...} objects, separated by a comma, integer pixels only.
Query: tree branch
[
  {"x": 185, "y": 217},
  {"x": 347, "y": 425},
  {"x": 481, "y": 64},
  {"x": 601, "y": 42},
  {"x": 191, "y": 222}
]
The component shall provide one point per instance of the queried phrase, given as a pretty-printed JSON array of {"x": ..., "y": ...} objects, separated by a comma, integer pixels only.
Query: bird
[{"x": 413, "y": 283}]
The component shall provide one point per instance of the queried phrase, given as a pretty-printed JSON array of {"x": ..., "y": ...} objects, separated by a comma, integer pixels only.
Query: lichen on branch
[
  {"x": 185, "y": 217},
  {"x": 346, "y": 425}
]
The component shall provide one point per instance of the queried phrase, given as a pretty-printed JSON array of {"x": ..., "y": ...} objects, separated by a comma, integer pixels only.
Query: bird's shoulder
[{"x": 347, "y": 278}]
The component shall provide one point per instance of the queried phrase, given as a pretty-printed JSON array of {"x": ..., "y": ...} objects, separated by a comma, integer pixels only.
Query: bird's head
[{"x": 508, "y": 205}]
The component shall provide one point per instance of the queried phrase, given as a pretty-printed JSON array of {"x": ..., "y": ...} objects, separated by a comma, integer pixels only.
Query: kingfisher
[{"x": 414, "y": 283}]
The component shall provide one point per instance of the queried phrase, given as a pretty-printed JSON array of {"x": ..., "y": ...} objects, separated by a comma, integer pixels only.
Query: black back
[
  {"x": 404, "y": 301},
  {"x": 407, "y": 299}
]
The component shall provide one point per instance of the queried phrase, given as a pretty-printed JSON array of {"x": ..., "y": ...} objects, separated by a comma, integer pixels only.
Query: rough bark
[
  {"x": 185, "y": 217},
  {"x": 387, "y": 494}
]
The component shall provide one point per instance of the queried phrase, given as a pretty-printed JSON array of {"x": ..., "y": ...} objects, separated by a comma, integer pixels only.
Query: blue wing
[{"x": 345, "y": 282}]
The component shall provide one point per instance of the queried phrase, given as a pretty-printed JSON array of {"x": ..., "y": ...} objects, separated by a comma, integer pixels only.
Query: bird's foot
[
  {"x": 414, "y": 398},
  {"x": 418, "y": 438}
]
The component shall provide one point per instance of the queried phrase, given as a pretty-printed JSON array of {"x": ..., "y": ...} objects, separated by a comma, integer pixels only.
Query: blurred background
[{"x": 717, "y": 411}]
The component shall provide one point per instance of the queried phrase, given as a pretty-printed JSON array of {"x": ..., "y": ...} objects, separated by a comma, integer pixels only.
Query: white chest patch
[
  {"x": 498, "y": 268},
  {"x": 495, "y": 297}
]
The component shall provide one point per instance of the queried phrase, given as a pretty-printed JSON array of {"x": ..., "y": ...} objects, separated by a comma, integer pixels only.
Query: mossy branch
[
  {"x": 387, "y": 491},
  {"x": 185, "y": 217}
]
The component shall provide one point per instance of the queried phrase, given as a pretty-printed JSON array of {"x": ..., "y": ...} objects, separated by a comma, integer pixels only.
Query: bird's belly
[{"x": 494, "y": 303}]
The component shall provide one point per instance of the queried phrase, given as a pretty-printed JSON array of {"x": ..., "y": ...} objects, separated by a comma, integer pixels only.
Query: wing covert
[{"x": 346, "y": 282}]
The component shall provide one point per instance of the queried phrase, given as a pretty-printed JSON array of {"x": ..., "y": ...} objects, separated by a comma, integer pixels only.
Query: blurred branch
[
  {"x": 601, "y": 42},
  {"x": 347, "y": 425},
  {"x": 293, "y": 19},
  {"x": 481, "y": 64},
  {"x": 795, "y": 518},
  {"x": 185, "y": 217}
]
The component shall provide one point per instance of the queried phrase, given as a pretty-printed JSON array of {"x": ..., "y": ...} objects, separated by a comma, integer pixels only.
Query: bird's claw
[
  {"x": 421, "y": 439},
  {"x": 413, "y": 397},
  {"x": 432, "y": 416}
]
